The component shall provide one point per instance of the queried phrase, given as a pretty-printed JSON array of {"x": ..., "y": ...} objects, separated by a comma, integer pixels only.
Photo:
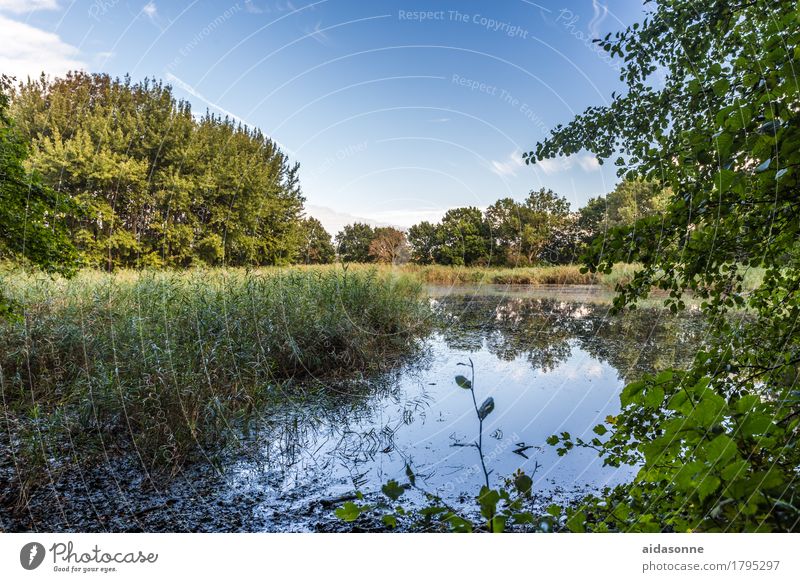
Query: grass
[
  {"x": 544, "y": 275},
  {"x": 172, "y": 363}
]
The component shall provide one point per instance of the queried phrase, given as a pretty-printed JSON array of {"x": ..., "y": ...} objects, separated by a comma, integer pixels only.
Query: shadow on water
[{"x": 553, "y": 360}]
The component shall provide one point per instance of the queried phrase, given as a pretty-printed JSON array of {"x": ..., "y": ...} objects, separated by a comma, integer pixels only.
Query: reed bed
[{"x": 173, "y": 363}]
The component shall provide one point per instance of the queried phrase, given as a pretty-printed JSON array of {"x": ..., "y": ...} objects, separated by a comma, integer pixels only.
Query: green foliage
[
  {"x": 422, "y": 240},
  {"x": 353, "y": 241},
  {"x": 462, "y": 238},
  {"x": 716, "y": 445},
  {"x": 174, "y": 363},
  {"x": 31, "y": 215},
  {"x": 509, "y": 233},
  {"x": 316, "y": 247},
  {"x": 151, "y": 185}
]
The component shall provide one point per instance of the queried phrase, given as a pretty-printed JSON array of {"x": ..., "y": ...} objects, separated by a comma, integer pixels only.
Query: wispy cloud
[
  {"x": 150, "y": 10},
  {"x": 23, "y": 6},
  {"x": 262, "y": 7},
  {"x": 509, "y": 166},
  {"x": 27, "y": 51},
  {"x": 587, "y": 162}
]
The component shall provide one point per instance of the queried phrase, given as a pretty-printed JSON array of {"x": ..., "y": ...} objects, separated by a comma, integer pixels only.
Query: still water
[{"x": 553, "y": 359}]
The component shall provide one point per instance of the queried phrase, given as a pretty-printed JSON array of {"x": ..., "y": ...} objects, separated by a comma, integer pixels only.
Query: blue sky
[{"x": 395, "y": 110}]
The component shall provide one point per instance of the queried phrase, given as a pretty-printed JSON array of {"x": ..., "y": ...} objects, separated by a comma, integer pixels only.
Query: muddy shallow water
[{"x": 552, "y": 359}]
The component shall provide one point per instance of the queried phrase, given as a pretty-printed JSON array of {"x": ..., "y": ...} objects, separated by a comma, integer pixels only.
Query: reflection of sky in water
[{"x": 546, "y": 363}]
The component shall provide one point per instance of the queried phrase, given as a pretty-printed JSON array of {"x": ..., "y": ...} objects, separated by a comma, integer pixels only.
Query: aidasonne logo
[{"x": 66, "y": 558}]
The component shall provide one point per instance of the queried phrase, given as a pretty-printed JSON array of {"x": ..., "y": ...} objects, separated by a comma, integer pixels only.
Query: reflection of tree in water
[{"x": 544, "y": 331}]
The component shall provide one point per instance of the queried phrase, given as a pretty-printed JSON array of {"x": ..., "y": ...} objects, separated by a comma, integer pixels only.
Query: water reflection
[{"x": 551, "y": 361}]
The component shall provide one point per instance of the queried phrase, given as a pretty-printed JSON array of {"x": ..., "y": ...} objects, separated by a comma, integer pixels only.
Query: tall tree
[
  {"x": 389, "y": 245},
  {"x": 544, "y": 212},
  {"x": 716, "y": 445},
  {"x": 422, "y": 239},
  {"x": 352, "y": 243},
  {"x": 155, "y": 186},
  {"x": 316, "y": 246},
  {"x": 463, "y": 238},
  {"x": 31, "y": 215}
]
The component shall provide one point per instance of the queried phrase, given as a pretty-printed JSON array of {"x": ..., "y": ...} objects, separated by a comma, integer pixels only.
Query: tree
[
  {"x": 463, "y": 238},
  {"x": 543, "y": 212},
  {"x": 352, "y": 243},
  {"x": 316, "y": 247},
  {"x": 422, "y": 239},
  {"x": 505, "y": 219},
  {"x": 31, "y": 215},
  {"x": 716, "y": 444},
  {"x": 389, "y": 245},
  {"x": 153, "y": 185},
  {"x": 630, "y": 201}
]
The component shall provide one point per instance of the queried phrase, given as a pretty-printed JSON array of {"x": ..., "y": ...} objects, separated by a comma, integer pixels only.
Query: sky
[{"x": 395, "y": 110}]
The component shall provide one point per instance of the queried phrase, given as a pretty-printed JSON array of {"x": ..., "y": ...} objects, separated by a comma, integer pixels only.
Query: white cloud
[
  {"x": 508, "y": 167},
  {"x": 334, "y": 220},
  {"x": 587, "y": 162},
  {"x": 150, "y": 10},
  {"x": 29, "y": 51},
  {"x": 22, "y": 6}
]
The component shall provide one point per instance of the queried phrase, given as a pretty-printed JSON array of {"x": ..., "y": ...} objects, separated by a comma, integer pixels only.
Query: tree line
[
  {"x": 116, "y": 174},
  {"x": 539, "y": 230}
]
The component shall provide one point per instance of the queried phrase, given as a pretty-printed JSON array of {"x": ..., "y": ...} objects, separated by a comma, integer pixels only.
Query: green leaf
[
  {"x": 487, "y": 500},
  {"x": 523, "y": 483},
  {"x": 464, "y": 382},
  {"x": 498, "y": 524},
  {"x": 709, "y": 410},
  {"x": 654, "y": 397},
  {"x": 410, "y": 474},
  {"x": 707, "y": 486},
  {"x": 486, "y": 408},
  {"x": 720, "y": 450},
  {"x": 349, "y": 511},
  {"x": 393, "y": 490},
  {"x": 630, "y": 393},
  {"x": 756, "y": 423},
  {"x": 389, "y": 521},
  {"x": 458, "y": 524},
  {"x": 600, "y": 429},
  {"x": 577, "y": 522}
]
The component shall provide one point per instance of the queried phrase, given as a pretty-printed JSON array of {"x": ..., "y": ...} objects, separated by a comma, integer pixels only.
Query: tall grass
[
  {"x": 544, "y": 275},
  {"x": 171, "y": 363}
]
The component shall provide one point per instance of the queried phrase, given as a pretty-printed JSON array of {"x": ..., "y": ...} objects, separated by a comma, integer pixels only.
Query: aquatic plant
[
  {"x": 173, "y": 366},
  {"x": 500, "y": 508}
]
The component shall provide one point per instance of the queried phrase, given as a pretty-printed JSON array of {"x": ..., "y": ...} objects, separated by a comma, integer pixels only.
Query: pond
[{"x": 553, "y": 359}]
